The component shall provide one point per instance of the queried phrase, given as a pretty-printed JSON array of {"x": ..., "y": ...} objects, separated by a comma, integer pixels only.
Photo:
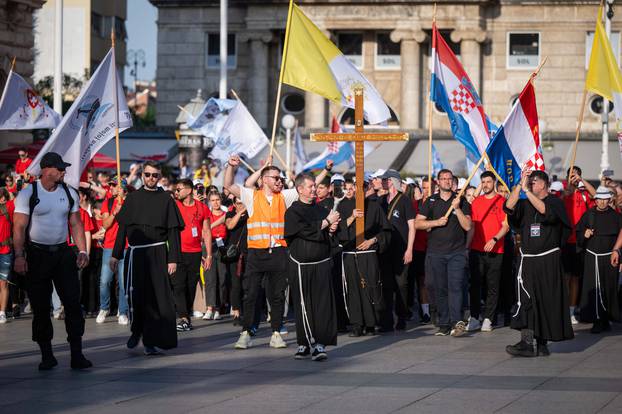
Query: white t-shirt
[
  {"x": 49, "y": 224},
  {"x": 246, "y": 195}
]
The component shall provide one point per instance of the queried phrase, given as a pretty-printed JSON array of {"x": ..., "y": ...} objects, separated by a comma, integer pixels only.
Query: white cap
[
  {"x": 603, "y": 193},
  {"x": 556, "y": 186},
  {"x": 378, "y": 173},
  {"x": 337, "y": 177},
  {"x": 408, "y": 181},
  {"x": 198, "y": 181}
]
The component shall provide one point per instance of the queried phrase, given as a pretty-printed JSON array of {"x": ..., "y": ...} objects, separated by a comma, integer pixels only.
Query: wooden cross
[{"x": 359, "y": 137}]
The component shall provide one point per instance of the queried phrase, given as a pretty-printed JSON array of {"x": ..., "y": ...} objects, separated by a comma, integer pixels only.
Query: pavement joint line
[{"x": 608, "y": 402}]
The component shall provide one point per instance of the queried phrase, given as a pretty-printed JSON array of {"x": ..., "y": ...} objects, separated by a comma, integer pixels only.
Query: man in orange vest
[{"x": 267, "y": 249}]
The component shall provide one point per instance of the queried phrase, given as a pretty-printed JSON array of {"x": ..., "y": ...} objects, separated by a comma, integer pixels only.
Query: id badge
[
  {"x": 195, "y": 232},
  {"x": 219, "y": 242},
  {"x": 535, "y": 230}
]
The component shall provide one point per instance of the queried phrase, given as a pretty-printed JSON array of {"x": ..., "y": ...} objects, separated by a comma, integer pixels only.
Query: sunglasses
[
  {"x": 149, "y": 175},
  {"x": 274, "y": 177}
]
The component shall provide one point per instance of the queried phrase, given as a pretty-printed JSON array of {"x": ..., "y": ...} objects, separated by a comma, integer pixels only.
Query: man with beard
[
  {"x": 598, "y": 232},
  {"x": 152, "y": 223},
  {"x": 361, "y": 269},
  {"x": 542, "y": 297},
  {"x": 267, "y": 248},
  {"x": 308, "y": 232}
]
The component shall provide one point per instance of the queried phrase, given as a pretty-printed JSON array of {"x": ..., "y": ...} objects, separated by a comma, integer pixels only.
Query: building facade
[{"x": 500, "y": 43}]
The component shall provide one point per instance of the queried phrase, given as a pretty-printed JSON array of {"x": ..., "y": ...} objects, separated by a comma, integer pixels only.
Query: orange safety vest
[{"x": 267, "y": 221}]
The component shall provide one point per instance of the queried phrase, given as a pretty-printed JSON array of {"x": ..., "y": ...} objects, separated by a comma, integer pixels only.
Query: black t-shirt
[
  {"x": 400, "y": 215},
  {"x": 451, "y": 237},
  {"x": 238, "y": 233}
]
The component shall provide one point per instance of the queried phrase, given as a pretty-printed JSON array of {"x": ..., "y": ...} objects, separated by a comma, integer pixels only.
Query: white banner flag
[
  {"x": 239, "y": 135},
  {"x": 212, "y": 117},
  {"x": 90, "y": 122},
  {"x": 22, "y": 108}
]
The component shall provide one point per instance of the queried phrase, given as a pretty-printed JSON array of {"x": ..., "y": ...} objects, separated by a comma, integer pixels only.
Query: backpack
[{"x": 34, "y": 200}]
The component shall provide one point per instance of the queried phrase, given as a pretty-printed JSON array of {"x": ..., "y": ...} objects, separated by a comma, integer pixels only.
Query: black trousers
[
  {"x": 236, "y": 272},
  {"x": 184, "y": 283},
  {"x": 217, "y": 280},
  {"x": 394, "y": 274},
  {"x": 90, "y": 281},
  {"x": 485, "y": 266},
  {"x": 272, "y": 265},
  {"x": 59, "y": 267}
]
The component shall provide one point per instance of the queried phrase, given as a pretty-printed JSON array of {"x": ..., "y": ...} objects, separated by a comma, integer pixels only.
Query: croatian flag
[
  {"x": 452, "y": 89},
  {"x": 337, "y": 151},
  {"x": 516, "y": 144}
]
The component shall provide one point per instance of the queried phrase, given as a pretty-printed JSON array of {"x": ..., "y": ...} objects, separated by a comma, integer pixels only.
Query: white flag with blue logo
[
  {"x": 90, "y": 122},
  {"x": 212, "y": 117}
]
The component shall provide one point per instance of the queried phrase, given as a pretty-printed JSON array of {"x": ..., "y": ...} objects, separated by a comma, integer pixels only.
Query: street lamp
[
  {"x": 135, "y": 58},
  {"x": 288, "y": 122}
]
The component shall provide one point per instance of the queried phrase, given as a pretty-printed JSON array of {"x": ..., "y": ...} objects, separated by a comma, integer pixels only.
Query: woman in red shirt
[
  {"x": 6, "y": 219},
  {"x": 216, "y": 277},
  {"x": 10, "y": 186}
]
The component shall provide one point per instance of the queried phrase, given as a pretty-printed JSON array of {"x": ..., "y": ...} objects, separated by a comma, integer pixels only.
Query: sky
[{"x": 142, "y": 34}]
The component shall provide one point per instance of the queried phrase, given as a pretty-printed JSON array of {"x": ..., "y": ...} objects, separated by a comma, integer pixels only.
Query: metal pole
[
  {"x": 604, "y": 158},
  {"x": 288, "y": 148},
  {"x": 58, "y": 58},
  {"x": 223, "y": 50}
]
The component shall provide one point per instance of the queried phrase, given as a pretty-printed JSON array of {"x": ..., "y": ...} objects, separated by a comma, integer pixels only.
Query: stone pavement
[{"x": 406, "y": 372}]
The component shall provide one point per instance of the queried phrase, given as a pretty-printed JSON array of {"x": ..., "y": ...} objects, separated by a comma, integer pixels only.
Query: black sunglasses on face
[{"x": 149, "y": 175}]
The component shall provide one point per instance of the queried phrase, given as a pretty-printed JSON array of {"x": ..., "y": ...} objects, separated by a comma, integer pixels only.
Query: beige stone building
[{"x": 500, "y": 43}]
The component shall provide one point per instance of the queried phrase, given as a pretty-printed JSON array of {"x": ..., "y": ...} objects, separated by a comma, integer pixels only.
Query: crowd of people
[{"x": 159, "y": 251}]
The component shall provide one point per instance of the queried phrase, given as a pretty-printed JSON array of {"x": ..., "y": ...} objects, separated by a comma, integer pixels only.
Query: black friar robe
[
  {"x": 606, "y": 225},
  {"x": 362, "y": 270},
  {"x": 311, "y": 283},
  {"x": 149, "y": 217},
  {"x": 544, "y": 305}
]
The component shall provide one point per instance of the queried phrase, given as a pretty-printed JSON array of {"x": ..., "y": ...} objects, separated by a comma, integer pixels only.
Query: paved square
[{"x": 406, "y": 372}]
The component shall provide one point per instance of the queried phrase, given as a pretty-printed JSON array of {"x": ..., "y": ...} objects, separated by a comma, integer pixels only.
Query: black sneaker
[
  {"x": 47, "y": 364},
  {"x": 133, "y": 341},
  {"x": 597, "y": 327},
  {"x": 319, "y": 353},
  {"x": 16, "y": 311},
  {"x": 543, "y": 350},
  {"x": 80, "y": 362},
  {"x": 425, "y": 319},
  {"x": 522, "y": 349},
  {"x": 151, "y": 350},
  {"x": 443, "y": 331},
  {"x": 370, "y": 331},
  {"x": 400, "y": 325},
  {"x": 356, "y": 332},
  {"x": 303, "y": 352},
  {"x": 190, "y": 327},
  {"x": 183, "y": 326}
]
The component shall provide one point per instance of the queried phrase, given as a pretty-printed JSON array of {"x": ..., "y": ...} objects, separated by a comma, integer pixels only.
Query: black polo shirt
[
  {"x": 451, "y": 237},
  {"x": 400, "y": 215}
]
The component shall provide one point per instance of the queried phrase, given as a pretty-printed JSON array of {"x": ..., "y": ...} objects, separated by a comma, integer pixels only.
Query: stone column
[
  {"x": 470, "y": 52},
  {"x": 410, "y": 56},
  {"x": 315, "y": 111},
  {"x": 258, "y": 75}
]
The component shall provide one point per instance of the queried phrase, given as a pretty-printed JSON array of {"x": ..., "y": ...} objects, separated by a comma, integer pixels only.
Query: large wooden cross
[{"x": 359, "y": 137}]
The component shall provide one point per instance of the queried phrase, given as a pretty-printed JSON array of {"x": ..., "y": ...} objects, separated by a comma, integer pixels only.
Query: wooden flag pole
[
  {"x": 282, "y": 71},
  {"x": 466, "y": 184},
  {"x": 430, "y": 190},
  {"x": 578, "y": 132},
  {"x": 235, "y": 95},
  {"x": 247, "y": 165},
  {"x": 116, "y": 110},
  {"x": 13, "y": 64}
]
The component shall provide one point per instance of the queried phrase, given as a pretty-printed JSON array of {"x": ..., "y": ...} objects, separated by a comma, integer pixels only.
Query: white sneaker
[
  {"x": 2, "y": 317},
  {"x": 474, "y": 324},
  {"x": 197, "y": 314},
  {"x": 27, "y": 308},
  {"x": 244, "y": 341},
  {"x": 487, "y": 325},
  {"x": 277, "y": 341},
  {"x": 56, "y": 314},
  {"x": 123, "y": 320},
  {"x": 573, "y": 320},
  {"x": 217, "y": 316},
  {"x": 101, "y": 316},
  {"x": 208, "y": 315}
]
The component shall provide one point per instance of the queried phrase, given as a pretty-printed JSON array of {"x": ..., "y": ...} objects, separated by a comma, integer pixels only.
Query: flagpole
[
  {"x": 578, "y": 132},
  {"x": 466, "y": 184},
  {"x": 278, "y": 92},
  {"x": 116, "y": 108},
  {"x": 13, "y": 64},
  {"x": 430, "y": 110}
]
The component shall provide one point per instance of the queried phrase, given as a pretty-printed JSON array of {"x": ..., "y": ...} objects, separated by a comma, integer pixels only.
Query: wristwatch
[{"x": 495, "y": 239}]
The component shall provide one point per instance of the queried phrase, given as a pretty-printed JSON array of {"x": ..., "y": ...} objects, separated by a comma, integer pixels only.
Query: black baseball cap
[
  {"x": 391, "y": 173},
  {"x": 53, "y": 160}
]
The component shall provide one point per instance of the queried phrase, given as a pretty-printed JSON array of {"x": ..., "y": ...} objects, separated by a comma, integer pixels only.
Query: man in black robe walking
[
  {"x": 151, "y": 222},
  {"x": 542, "y": 296},
  {"x": 308, "y": 232},
  {"x": 597, "y": 232},
  {"x": 361, "y": 270}
]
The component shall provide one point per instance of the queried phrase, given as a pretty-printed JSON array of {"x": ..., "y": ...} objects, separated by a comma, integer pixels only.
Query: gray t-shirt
[{"x": 49, "y": 224}]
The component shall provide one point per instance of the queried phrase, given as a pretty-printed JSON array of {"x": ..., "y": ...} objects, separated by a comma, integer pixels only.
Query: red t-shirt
[
  {"x": 21, "y": 166},
  {"x": 219, "y": 231},
  {"x": 5, "y": 227},
  {"x": 111, "y": 232},
  {"x": 12, "y": 189},
  {"x": 194, "y": 216},
  {"x": 488, "y": 217},
  {"x": 98, "y": 225},
  {"x": 576, "y": 205},
  {"x": 421, "y": 236},
  {"x": 87, "y": 222}
]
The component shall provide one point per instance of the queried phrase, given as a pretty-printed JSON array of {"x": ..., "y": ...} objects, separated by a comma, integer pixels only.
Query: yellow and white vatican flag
[
  {"x": 22, "y": 108},
  {"x": 313, "y": 63},
  {"x": 603, "y": 75}
]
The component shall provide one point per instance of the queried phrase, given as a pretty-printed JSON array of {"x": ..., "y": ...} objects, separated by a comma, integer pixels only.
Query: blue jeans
[
  {"x": 449, "y": 281},
  {"x": 105, "y": 282}
]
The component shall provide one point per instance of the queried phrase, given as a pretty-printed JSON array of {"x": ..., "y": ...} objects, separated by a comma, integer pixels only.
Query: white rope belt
[
  {"x": 306, "y": 325},
  {"x": 130, "y": 273},
  {"x": 599, "y": 294},
  {"x": 519, "y": 276},
  {"x": 344, "y": 280}
]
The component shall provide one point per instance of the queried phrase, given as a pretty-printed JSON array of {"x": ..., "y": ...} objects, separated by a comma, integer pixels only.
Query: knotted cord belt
[
  {"x": 519, "y": 276},
  {"x": 344, "y": 280},
  {"x": 130, "y": 273},
  {"x": 599, "y": 294}
]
